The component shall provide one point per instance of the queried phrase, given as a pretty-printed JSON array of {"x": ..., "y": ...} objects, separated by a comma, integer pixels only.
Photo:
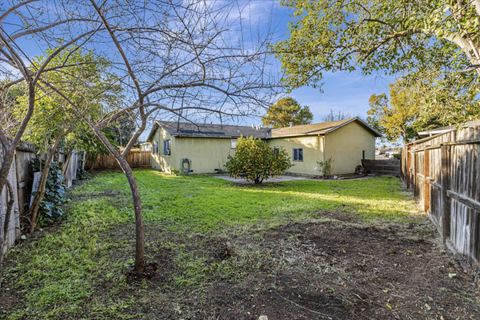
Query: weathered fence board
[
  {"x": 135, "y": 158},
  {"x": 21, "y": 178},
  {"x": 13, "y": 228},
  {"x": 444, "y": 173},
  {"x": 383, "y": 166}
]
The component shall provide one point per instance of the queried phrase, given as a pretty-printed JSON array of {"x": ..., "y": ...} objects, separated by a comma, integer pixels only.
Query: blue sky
[{"x": 341, "y": 91}]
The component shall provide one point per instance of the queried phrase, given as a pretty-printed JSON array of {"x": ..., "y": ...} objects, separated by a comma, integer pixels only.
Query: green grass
[
  {"x": 203, "y": 203},
  {"x": 59, "y": 274}
]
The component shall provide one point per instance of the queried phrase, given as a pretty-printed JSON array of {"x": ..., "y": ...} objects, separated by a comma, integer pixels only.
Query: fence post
[
  {"x": 407, "y": 169},
  {"x": 426, "y": 181},
  {"x": 414, "y": 175},
  {"x": 446, "y": 202}
]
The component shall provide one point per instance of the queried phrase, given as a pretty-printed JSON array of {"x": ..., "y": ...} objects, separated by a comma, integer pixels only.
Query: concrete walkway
[{"x": 276, "y": 179}]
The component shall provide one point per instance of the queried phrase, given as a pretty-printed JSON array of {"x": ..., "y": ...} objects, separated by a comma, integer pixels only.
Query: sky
[
  {"x": 346, "y": 92},
  {"x": 343, "y": 92}
]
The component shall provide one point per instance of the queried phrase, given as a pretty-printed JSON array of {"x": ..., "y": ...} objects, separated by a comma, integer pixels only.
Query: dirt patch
[
  {"x": 341, "y": 214},
  {"x": 335, "y": 271},
  {"x": 313, "y": 270}
]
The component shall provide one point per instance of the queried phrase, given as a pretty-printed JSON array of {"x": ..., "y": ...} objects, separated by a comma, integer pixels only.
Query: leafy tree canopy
[
  {"x": 393, "y": 36},
  {"x": 285, "y": 112},
  {"x": 422, "y": 101},
  {"x": 255, "y": 160},
  {"x": 80, "y": 78}
]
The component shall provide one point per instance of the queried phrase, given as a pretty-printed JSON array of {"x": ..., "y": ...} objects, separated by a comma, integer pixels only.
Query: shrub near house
[{"x": 255, "y": 160}]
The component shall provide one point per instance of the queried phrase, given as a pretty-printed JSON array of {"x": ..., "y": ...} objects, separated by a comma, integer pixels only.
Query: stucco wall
[
  {"x": 160, "y": 161},
  {"x": 312, "y": 152},
  {"x": 345, "y": 146},
  {"x": 206, "y": 154}
]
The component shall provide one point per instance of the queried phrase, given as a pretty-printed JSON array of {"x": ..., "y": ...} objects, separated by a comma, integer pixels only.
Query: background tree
[
  {"x": 383, "y": 35},
  {"x": 336, "y": 116},
  {"x": 54, "y": 123},
  {"x": 255, "y": 160},
  {"x": 285, "y": 112},
  {"x": 423, "y": 101},
  {"x": 41, "y": 21}
]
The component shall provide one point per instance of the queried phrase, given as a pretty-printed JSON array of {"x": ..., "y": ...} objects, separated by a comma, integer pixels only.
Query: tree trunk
[
  {"x": 42, "y": 185},
  {"x": 9, "y": 153},
  {"x": 137, "y": 206},
  {"x": 137, "y": 203},
  {"x": 8, "y": 215}
]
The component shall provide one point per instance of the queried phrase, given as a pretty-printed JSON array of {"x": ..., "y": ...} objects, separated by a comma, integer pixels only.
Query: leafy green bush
[
  {"x": 51, "y": 207},
  {"x": 255, "y": 161}
]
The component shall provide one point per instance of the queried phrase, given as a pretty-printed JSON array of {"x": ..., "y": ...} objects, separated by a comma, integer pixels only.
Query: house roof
[
  {"x": 318, "y": 128},
  {"x": 184, "y": 129}
]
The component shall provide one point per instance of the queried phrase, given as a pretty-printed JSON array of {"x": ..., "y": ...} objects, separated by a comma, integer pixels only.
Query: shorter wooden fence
[
  {"x": 21, "y": 179},
  {"x": 389, "y": 167},
  {"x": 444, "y": 173},
  {"x": 135, "y": 158}
]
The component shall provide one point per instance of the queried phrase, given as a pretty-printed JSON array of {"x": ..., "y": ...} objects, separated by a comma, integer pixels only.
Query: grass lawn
[{"x": 77, "y": 270}]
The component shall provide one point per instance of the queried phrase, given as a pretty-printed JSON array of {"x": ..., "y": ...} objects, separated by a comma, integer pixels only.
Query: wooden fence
[
  {"x": 444, "y": 173},
  {"x": 21, "y": 179},
  {"x": 390, "y": 167},
  {"x": 135, "y": 158}
]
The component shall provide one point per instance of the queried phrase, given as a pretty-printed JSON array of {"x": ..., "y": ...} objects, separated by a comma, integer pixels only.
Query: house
[{"x": 204, "y": 148}]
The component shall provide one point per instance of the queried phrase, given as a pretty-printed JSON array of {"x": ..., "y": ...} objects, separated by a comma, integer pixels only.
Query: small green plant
[
  {"x": 51, "y": 207},
  {"x": 175, "y": 172},
  {"x": 325, "y": 167},
  {"x": 255, "y": 160}
]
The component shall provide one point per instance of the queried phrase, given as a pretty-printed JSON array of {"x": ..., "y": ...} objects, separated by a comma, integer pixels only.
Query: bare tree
[
  {"x": 186, "y": 59},
  {"x": 335, "y": 116},
  {"x": 24, "y": 20}
]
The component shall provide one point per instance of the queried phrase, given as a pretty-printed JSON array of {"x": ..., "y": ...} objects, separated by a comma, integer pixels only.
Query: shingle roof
[
  {"x": 318, "y": 128},
  {"x": 184, "y": 129}
]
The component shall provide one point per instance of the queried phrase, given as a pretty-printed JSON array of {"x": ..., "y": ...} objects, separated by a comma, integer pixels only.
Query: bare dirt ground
[{"x": 320, "y": 270}]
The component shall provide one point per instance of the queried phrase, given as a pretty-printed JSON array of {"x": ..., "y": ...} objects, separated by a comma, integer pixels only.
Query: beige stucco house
[{"x": 205, "y": 148}]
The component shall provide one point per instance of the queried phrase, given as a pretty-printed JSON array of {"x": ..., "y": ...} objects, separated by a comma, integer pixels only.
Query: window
[
  {"x": 233, "y": 143},
  {"x": 297, "y": 154},
  {"x": 166, "y": 148},
  {"x": 155, "y": 147},
  {"x": 276, "y": 151}
]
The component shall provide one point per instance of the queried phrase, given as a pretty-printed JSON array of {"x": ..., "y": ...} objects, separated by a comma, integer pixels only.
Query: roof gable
[{"x": 321, "y": 128}]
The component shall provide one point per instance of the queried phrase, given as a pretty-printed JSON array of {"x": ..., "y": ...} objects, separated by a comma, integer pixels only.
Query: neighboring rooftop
[{"x": 184, "y": 129}]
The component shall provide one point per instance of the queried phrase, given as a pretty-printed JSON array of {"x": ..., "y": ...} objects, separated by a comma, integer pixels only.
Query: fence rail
[
  {"x": 444, "y": 173},
  {"x": 135, "y": 158}
]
